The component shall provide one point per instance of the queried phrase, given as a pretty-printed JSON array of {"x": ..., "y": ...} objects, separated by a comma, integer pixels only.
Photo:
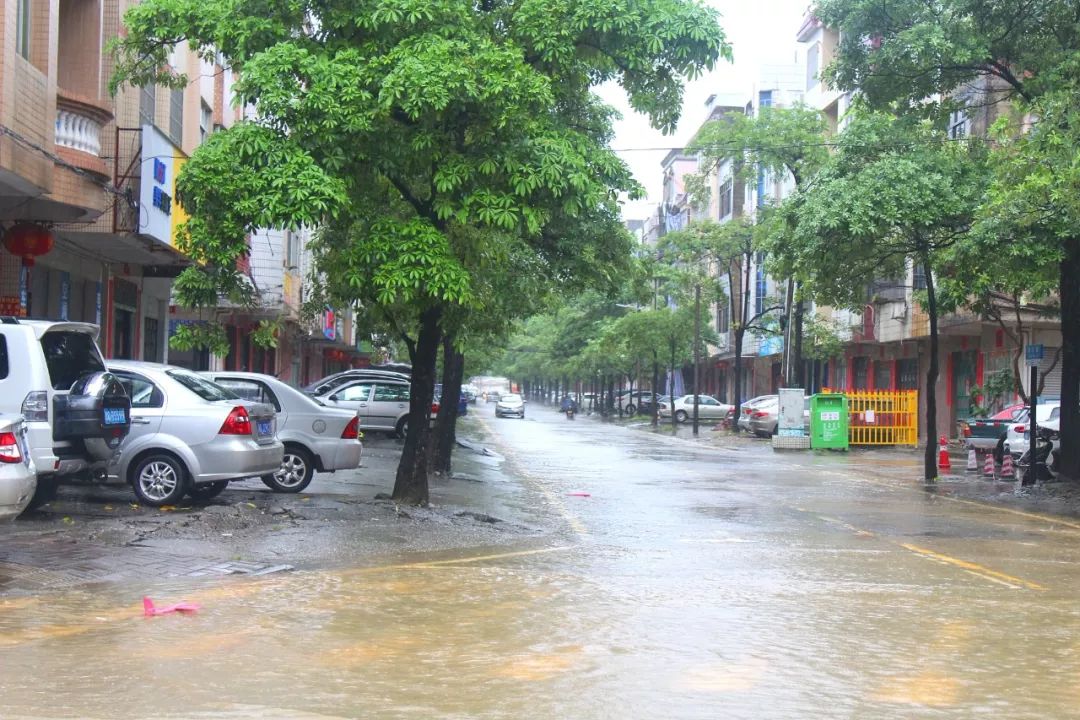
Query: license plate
[
  {"x": 265, "y": 427},
  {"x": 115, "y": 416}
]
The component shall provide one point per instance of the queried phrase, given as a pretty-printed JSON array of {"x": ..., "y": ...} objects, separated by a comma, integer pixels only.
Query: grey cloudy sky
[{"x": 760, "y": 32}]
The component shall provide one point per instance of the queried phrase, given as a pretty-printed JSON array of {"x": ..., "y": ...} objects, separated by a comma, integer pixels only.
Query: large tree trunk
[
  {"x": 411, "y": 484},
  {"x": 446, "y": 422},
  {"x": 736, "y": 395},
  {"x": 656, "y": 388},
  {"x": 1069, "y": 291},
  {"x": 930, "y": 455}
]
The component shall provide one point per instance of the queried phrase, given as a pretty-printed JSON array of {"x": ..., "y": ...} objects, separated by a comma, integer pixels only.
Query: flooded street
[{"x": 661, "y": 579}]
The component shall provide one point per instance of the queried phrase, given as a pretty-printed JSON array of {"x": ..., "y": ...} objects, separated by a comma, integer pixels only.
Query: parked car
[
  {"x": 463, "y": 402},
  {"x": 328, "y": 383},
  {"x": 382, "y": 404},
  {"x": 511, "y": 404},
  {"x": 1017, "y": 438},
  {"x": 748, "y": 406},
  {"x": 18, "y": 477},
  {"x": 189, "y": 435},
  {"x": 638, "y": 401},
  {"x": 765, "y": 416},
  {"x": 492, "y": 396},
  {"x": 984, "y": 433},
  {"x": 683, "y": 407},
  {"x": 470, "y": 392},
  {"x": 76, "y": 413},
  {"x": 317, "y": 438}
]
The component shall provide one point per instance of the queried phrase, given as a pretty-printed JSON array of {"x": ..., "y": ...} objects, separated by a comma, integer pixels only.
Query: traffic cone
[
  {"x": 988, "y": 468},
  {"x": 943, "y": 455},
  {"x": 1007, "y": 467},
  {"x": 973, "y": 461}
]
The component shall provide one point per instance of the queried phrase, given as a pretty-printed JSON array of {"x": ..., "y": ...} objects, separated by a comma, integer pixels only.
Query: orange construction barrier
[{"x": 883, "y": 417}]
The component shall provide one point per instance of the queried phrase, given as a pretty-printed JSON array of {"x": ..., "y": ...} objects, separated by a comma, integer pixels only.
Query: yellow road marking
[
  {"x": 422, "y": 564},
  {"x": 973, "y": 568}
]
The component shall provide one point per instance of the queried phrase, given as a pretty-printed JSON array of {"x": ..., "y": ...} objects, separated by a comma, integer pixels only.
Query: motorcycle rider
[{"x": 569, "y": 404}]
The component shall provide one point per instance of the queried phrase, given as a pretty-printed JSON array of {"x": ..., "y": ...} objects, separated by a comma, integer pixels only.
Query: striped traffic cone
[
  {"x": 1007, "y": 467},
  {"x": 988, "y": 468},
  {"x": 973, "y": 461},
  {"x": 943, "y": 454}
]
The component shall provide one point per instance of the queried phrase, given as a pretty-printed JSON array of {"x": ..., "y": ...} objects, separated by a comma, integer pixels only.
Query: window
[
  {"x": 918, "y": 277},
  {"x": 205, "y": 121},
  {"x": 393, "y": 393},
  {"x": 723, "y": 316},
  {"x": 151, "y": 340},
  {"x": 353, "y": 393},
  {"x": 4, "y": 368},
  {"x": 907, "y": 374},
  {"x": 69, "y": 356},
  {"x": 292, "y": 250},
  {"x": 206, "y": 389},
  {"x": 249, "y": 390},
  {"x": 958, "y": 124},
  {"x": 725, "y": 199},
  {"x": 765, "y": 99},
  {"x": 176, "y": 115},
  {"x": 860, "y": 371},
  {"x": 761, "y": 284},
  {"x": 812, "y": 61},
  {"x": 143, "y": 393},
  {"x": 22, "y": 29},
  {"x": 147, "y": 103}
]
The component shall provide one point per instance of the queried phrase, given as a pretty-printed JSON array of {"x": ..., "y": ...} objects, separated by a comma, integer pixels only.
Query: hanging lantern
[{"x": 28, "y": 241}]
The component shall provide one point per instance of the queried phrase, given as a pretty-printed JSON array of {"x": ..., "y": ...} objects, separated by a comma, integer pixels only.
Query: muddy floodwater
[{"x": 659, "y": 579}]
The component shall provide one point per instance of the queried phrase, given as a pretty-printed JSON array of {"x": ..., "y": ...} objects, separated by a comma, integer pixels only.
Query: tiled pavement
[{"x": 37, "y": 563}]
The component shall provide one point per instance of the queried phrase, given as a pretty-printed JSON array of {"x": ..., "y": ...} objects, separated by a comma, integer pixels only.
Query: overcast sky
[{"x": 760, "y": 32}]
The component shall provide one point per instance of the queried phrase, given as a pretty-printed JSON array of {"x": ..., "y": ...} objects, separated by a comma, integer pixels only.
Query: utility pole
[{"x": 697, "y": 351}]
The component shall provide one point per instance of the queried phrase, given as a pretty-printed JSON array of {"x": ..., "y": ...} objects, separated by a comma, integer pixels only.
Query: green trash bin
[{"x": 829, "y": 421}]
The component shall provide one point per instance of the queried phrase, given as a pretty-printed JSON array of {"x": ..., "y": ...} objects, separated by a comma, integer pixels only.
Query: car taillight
[
  {"x": 9, "y": 448},
  {"x": 434, "y": 407},
  {"x": 352, "y": 430},
  {"x": 1020, "y": 429},
  {"x": 35, "y": 406},
  {"x": 760, "y": 413},
  {"x": 238, "y": 423},
  {"x": 967, "y": 430}
]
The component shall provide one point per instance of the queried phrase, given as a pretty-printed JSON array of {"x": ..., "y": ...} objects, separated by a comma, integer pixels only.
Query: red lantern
[{"x": 28, "y": 240}]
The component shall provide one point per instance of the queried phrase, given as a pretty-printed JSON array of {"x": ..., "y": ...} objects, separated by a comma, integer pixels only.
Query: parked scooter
[
  {"x": 570, "y": 413},
  {"x": 1046, "y": 456}
]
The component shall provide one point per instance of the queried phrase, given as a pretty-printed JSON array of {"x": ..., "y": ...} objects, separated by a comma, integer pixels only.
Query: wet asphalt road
[{"x": 655, "y": 578}]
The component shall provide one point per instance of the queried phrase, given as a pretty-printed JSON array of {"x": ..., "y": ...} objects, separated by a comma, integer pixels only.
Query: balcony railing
[{"x": 79, "y": 123}]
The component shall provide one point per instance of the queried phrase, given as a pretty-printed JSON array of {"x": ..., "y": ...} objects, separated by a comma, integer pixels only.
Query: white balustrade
[{"x": 78, "y": 132}]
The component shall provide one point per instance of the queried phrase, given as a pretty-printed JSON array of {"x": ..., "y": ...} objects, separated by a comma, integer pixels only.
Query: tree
[
  {"x": 892, "y": 191},
  {"x": 927, "y": 58},
  {"x": 430, "y": 136},
  {"x": 728, "y": 247},
  {"x": 778, "y": 142}
]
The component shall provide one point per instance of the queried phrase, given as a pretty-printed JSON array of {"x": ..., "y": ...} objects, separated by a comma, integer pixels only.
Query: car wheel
[
  {"x": 681, "y": 416},
  {"x": 999, "y": 450},
  {"x": 45, "y": 492},
  {"x": 159, "y": 480},
  {"x": 297, "y": 469},
  {"x": 207, "y": 491},
  {"x": 402, "y": 428},
  {"x": 630, "y": 410}
]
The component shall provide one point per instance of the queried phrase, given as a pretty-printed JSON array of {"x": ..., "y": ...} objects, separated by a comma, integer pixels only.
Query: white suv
[{"x": 76, "y": 413}]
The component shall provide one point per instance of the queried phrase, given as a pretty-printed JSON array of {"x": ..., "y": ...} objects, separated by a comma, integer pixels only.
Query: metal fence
[{"x": 883, "y": 417}]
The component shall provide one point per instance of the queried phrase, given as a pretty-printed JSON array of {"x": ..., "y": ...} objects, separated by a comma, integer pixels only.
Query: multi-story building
[{"x": 888, "y": 346}]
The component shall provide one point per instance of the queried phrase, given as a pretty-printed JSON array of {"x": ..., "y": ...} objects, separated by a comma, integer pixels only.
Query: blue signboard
[
  {"x": 1033, "y": 353},
  {"x": 772, "y": 345},
  {"x": 65, "y": 295}
]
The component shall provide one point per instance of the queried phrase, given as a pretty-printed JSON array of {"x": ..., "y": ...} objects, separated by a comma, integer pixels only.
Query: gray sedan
[
  {"x": 189, "y": 435},
  {"x": 316, "y": 437}
]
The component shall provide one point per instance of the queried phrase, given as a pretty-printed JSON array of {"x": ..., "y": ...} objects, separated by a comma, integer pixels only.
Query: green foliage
[{"x": 194, "y": 336}]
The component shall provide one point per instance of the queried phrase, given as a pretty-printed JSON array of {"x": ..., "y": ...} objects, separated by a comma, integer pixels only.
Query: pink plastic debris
[
  {"x": 579, "y": 494},
  {"x": 150, "y": 610}
]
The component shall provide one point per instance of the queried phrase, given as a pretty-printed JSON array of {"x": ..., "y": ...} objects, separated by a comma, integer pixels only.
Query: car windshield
[
  {"x": 511, "y": 398},
  {"x": 70, "y": 355},
  {"x": 206, "y": 389}
]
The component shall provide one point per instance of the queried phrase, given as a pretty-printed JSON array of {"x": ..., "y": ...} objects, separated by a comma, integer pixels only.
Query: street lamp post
[{"x": 697, "y": 351}]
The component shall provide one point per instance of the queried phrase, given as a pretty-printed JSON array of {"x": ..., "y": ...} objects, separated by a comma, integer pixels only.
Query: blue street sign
[{"x": 1033, "y": 353}]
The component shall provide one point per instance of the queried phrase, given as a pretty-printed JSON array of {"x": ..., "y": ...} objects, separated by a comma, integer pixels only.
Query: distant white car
[
  {"x": 510, "y": 405},
  {"x": 316, "y": 437},
  {"x": 708, "y": 408},
  {"x": 18, "y": 478},
  {"x": 1018, "y": 436}
]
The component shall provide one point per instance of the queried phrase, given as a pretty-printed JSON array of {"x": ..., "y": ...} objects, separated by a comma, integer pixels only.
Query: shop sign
[
  {"x": 160, "y": 214},
  {"x": 65, "y": 295},
  {"x": 329, "y": 324}
]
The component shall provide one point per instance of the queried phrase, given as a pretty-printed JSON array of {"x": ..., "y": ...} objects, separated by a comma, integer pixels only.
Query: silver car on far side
[
  {"x": 316, "y": 437},
  {"x": 189, "y": 435},
  {"x": 18, "y": 478}
]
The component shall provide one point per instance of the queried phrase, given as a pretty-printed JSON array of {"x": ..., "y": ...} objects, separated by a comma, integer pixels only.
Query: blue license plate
[
  {"x": 115, "y": 416},
  {"x": 265, "y": 427}
]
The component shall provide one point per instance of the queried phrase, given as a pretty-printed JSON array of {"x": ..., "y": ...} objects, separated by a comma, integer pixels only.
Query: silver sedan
[
  {"x": 316, "y": 437},
  {"x": 189, "y": 435},
  {"x": 17, "y": 476}
]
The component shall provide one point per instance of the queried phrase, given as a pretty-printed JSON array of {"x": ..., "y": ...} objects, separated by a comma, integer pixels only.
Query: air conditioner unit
[{"x": 898, "y": 311}]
